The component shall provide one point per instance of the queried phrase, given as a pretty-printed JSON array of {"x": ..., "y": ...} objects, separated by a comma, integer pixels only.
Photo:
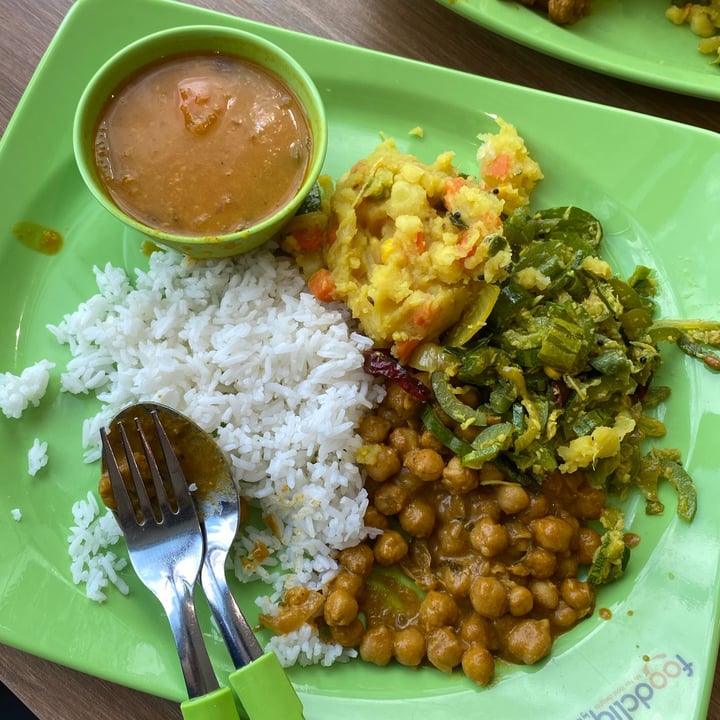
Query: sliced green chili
[
  {"x": 488, "y": 444},
  {"x": 451, "y": 406},
  {"x": 442, "y": 432},
  {"x": 686, "y": 490}
]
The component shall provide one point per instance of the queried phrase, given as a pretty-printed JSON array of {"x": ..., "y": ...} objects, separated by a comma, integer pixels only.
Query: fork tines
[{"x": 146, "y": 511}]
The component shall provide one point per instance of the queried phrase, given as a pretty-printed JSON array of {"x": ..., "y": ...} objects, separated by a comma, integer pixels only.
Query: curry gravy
[{"x": 202, "y": 144}]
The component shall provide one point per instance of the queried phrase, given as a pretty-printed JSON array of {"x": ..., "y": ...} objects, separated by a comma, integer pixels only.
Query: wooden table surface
[{"x": 419, "y": 29}]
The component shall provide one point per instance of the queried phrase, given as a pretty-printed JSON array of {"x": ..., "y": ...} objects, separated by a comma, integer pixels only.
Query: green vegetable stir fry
[{"x": 561, "y": 360}]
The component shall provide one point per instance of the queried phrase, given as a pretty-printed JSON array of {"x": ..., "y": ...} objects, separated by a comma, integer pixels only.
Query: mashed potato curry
[{"x": 408, "y": 245}]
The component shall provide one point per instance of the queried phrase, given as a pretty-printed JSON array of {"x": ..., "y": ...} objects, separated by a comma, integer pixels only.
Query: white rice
[
  {"x": 16, "y": 514},
  {"x": 92, "y": 564},
  {"x": 304, "y": 647},
  {"x": 37, "y": 457},
  {"x": 245, "y": 350},
  {"x": 19, "y": 391}
]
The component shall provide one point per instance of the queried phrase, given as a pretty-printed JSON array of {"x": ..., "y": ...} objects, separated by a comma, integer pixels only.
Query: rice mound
[{"x": 241, "y": 347}]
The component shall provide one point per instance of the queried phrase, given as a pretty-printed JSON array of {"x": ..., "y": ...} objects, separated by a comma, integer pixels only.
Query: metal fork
[{"x": 165, "y": 546}]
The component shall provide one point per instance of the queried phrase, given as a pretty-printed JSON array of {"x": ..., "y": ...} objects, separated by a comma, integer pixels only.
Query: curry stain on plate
[{"x": 38, "y": 237}]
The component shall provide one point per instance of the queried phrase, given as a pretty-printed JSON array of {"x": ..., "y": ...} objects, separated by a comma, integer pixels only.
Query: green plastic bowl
[{"x": 198, "y": 38}]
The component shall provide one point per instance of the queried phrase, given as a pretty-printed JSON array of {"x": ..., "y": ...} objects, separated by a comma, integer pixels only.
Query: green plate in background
[
  {"x": 653, "y": 183},
  {"x": 629, "y": 39}
]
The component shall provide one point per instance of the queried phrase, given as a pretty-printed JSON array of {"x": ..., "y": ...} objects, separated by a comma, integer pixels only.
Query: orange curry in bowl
[{"x": 188, "y": 143}]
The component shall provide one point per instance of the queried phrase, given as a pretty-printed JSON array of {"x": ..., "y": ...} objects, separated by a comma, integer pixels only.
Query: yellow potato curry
[{"x": 407, "y": 245}]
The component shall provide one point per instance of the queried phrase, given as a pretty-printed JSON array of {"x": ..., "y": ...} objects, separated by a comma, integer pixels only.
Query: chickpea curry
[{"x": 506, "y": 430}]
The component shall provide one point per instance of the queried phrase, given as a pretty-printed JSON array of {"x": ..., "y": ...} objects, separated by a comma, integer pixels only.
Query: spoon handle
[{"x": 239, "y": 637}]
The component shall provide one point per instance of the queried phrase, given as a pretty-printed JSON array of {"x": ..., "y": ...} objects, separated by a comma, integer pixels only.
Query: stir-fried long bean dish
[{"x": 518, "y": 408}]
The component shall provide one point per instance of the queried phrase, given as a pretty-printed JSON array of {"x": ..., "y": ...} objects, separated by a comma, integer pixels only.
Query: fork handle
[
  {"x": 217, "y": 705},
  {"x": 241, "y": 642},
  {"x": 265, "y": 691},
  {"x": 180, "y": 609}
]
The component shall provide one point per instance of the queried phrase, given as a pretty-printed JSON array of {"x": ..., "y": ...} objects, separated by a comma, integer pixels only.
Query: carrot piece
[
  {"x": 425, "y": 314},
  {"x": 452, "y": 185},
  {"x": 499, "y": 166},
  {"x": 404, "y": 349},
  {"x": 309, "y": 239},
  {"x": 322, "y": 285}
]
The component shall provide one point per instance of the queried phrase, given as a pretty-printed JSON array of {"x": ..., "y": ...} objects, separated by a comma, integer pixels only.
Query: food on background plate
[
  {"x": 454, "y": 510},
  {"x": 183, "y": 144},
  {"x": 561, "y": 12},
  {"x": 703, "y": 19}
]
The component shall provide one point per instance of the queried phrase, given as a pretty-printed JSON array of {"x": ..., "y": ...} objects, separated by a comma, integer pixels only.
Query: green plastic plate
[
  {"x": 629, "y": 39},
  {"x": 653, "y": 183}
]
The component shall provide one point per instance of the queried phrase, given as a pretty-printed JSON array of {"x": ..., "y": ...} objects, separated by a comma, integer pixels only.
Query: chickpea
[
  {"x": 488, "y": 537},
  {"x": 564, "y": 616},
  {"x": 374, "y": 429},
  {"x": 538, "y": 506},
  {"x": 512, "y": 498},
  {"x": 576, "y": 593},
  {"x": 417, "y": 518},
  {"x": 444, "y": 649},
  {"x": 478, "y": 664},
  {"x": 409, "y": 647},
  {"x": 489, "y": 597},
  {"x": 484, "y": 506},
  {"x": 426, "y": 463},
  {"x": 400, "y": 402},
  {"x": 458, "y": 479},
  {"x": 438, "y": 609},
  {"x": 451, "y": 507},
  {"x": 348, "y": 581},
  {"x": 403, "y": 439},
  {"x": 588, "y": 541},
  {"x": 570, "y": 520},
  {"x": 589, "y": 503},
  {"x": 519, "y": 536},
  {"x": 520, "y": 600},
  {"x": 376, "y": 645},
  {"x": 348, "y": 635},
  {"x": 567, "y": 566},
  {"x": 540, "y": 562},
  {"x": 341, "y": 608},
  {"x": 455, "y": 579},
  {"x": 428, "y": 440},
  {"x": 530, "y": 640},
  {"x": 358, "y": 559},
  {"x": 386, "y": 464},
  {"x": 390, "y": 498},
  {"x": 452, "y": 537},
  {"x": 375, "y": 519},
  {"x": 390, "y": 547},
  {"x": 552, "y": 533},
  {"x": 545, "y": 594},
  {"x": 476, "y": 629}
]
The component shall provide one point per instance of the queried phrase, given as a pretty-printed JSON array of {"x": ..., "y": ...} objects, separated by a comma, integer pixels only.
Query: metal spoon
[{"x": 259, "y": 680}]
